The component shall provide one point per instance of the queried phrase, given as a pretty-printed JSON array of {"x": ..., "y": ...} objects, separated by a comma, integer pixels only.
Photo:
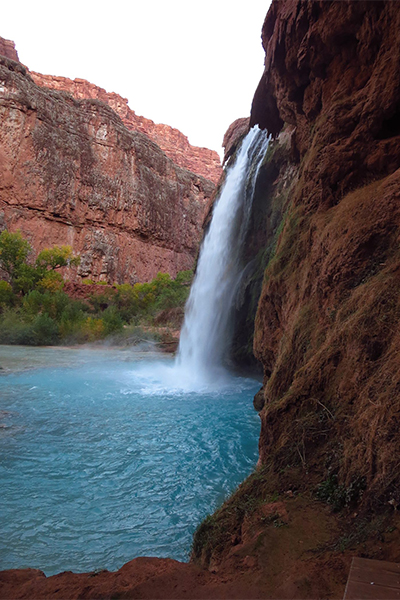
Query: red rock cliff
[
  {"x": 325, "y": 230},
  {"x": 7, "y": 49},
  {"x": 72, "y": 173},
  {"x": 325, "y": 243},
  {"x": 327, "y": 323},
  {"x": 201, "y": 161}
]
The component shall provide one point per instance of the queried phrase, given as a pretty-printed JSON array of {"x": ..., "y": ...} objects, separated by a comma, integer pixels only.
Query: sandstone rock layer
[
  {"x": 324, "y": 242},
  {"x": 72, "y": 173},
  {"x": 201, "y": 161},
  {"x": 327, "y": 324},
  {"x": 7, "y": 49},
  {"x": 233, "y": 135}
]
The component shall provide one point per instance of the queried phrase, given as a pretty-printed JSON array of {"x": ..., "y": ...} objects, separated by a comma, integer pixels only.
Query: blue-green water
[{"x": 105, "y": 456}]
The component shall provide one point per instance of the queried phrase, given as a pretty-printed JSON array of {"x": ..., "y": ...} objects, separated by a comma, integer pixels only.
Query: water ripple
[{"x": 102, "y": 461}]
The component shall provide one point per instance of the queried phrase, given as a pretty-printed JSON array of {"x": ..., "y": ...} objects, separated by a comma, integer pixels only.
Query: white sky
[{"x": 192, "y": 65}]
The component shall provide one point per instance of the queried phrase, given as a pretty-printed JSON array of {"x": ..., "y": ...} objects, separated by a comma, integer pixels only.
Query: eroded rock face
[
  {"x": 325, "y": 231},
  {"x": 7, "y": 49},
  {"x": 324, "y": 244},
  {"x": 327, "y": 324},
  {"x": 233, "y": 135},
  {"x": 332, "y": 71},
  {"x": 72, "y": 173},
  {"x": 201, "y": 161}
]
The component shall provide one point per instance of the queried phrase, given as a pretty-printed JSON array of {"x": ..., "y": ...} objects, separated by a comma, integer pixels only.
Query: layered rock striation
[
  {"x": 324, "y": 292},
  {"x": 327, "y": 322},
  {"x": 324, "y": 249},
  {"x": 72, "y": 173},
  {"x": 202, "y": 161},
  {"x": 7, "y": 49}
]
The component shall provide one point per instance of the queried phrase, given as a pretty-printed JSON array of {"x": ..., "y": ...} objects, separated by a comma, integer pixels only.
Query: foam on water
[
  {"x": 206, "y": 332},
  {"x": 104, "y": 457},
  {"x": 172, "y": 378},
  {"x": 108, "y": 456}
]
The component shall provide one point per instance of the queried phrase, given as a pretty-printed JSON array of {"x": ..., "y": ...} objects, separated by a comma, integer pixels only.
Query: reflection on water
[{"x": 109, "y": 454}]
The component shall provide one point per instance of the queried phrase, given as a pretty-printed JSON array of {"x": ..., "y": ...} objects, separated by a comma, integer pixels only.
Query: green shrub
[
  {"x": 71, "y": 322},
  {"x": 34, "y": 309},
  {"x": 6, "y": 294},
  {"x": 52, "y": 281},
  {"x": 139, "y": 303},
  {"x": 92, "y": 329},
  {"x": 25, "y": 279},
  {"x": 102, "y": 301},
  {"x": 112, "y": 320},
  {"x": 51, "y": 303},
  {"x": 172, "y": 296},
  {"x": 50, "y": 259},
  {"x": 14, "y": 330},
  {"x": 45, "y": 331},
  {"x": 338, "y": 495},
  {"x": 14, "y": 251}
]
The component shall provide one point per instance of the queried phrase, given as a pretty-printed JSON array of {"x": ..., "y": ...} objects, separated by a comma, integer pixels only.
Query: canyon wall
[
  {"x": 72, "y": 173},
  {"x": 202, "y": 161},
  {"x": 325, "y": 292},
  {"x": 7, "y": 49},
  {"x": 327, "y": 327}
]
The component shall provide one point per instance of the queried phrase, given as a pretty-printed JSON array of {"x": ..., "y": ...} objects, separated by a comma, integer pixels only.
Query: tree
[
  {"x": 14, "y": 250},
  {"x": 56, "y": 257},
  {"x": 6, "y": 294},
  {"x": 51, "y": 281},
  {"x": 24, "y": 277}
]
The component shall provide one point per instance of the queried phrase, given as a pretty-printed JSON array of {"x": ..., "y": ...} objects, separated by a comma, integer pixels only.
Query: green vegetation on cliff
[{"x": 35, "y": 309}]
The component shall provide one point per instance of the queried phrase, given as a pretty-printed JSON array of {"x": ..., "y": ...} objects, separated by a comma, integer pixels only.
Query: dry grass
[{"x": 328, "y": 331}]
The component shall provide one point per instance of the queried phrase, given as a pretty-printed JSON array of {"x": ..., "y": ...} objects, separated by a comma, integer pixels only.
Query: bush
[
  {"x": 45, "y": 331},
  {"x": 14, "y": 330},
  {"x": 71, "y": 321},
  {"x": 50, "y": 259},
  {"x": 112, "y": 320},
  {"x": 51, "y": 282},
  {"x": 92, "y": 329},
  {"x": 51, "y": 303},
  {"x": 143, "y": 300},
  {"x": 34, "y": 309},
  {"x": 14, "y": 250},
  {"x": 331, "y": 492},
  {"x": 6, "y": 294},
  {"x": 24, "y": 277},
  {"x": 102, "y": 301}
]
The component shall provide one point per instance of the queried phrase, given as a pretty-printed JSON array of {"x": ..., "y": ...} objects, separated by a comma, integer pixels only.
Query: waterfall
[{"x": 206, "y": 334}]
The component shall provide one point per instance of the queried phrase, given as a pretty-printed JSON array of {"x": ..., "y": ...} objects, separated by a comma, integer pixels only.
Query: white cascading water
[
  {"x": 206, "y": 334},
  {"x": 175, "y": 449}
]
